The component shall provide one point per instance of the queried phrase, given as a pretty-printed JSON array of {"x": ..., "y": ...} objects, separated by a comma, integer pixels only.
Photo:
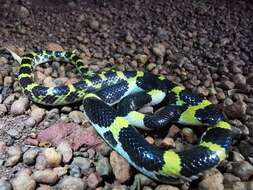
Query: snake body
[{"x": 129, "y": 91}]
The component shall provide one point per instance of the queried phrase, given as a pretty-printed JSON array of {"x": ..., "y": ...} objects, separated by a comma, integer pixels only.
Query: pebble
[
  {"x": 3, "y": 60},
  {"x": 212, "y": 180},
  {"x": 83, "y": 163},
  {"x": 44, "y": 187},
  {"x": 159, "y": 50},
  {"x": 242, "y": 185},
  {"x": 54, "y": 47},
  {"x": 53, "y": 157},
  {"x": 227, "y": 85},
  {"x": 23, "y": 12},
  {"x": 189, "y": 135},
  {"x": 30, "y": 122},
  {"x": 166, "y": 187},
  {"x": 37, "y": 113},
  {"x": 141, "y": 58},
  {"x": 2, "y": 147},
  {"x": 93, "y": 180},
  {"x": 41, "y": 162},
  {"x": 23, "y": 181},
  {"x": 75, "y": 171},
  {"x": 65, "y": 149},
  {"x": 236, "y": 110},
  {"x": 230, "y": 179},
  {"x": 239, "y": 79},
  {"x": 30, "y": 155},
  {"x": 3, "y": 110},
  {"x": 242, "y": 169},
  {"x": 77, "y": 116},
  {"x": 150, "y": 140},
  {"x": 94, "y": 25},
  {"x": 19, "y": 106},
  {"x": 103, "y": 167},
  {"x": 237, "y": 157},
  {"x": 14, "y": 155},
  {"x": 61, "y": 171},
  {"x": 71, "y": 183},
  {"x": 4, "y": 185},
  {"x": 13, "y": 133},
  {"x": 45, "y": 176},
  {"x": 120, "y": 167},
  {"x": 168, "y": 142},
  {"x": 8, "y": 81},
  {"x": 9, "y": 100}
]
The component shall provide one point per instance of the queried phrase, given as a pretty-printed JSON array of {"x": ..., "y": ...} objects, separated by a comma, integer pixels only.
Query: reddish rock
[{"x": 71, "y": 133}]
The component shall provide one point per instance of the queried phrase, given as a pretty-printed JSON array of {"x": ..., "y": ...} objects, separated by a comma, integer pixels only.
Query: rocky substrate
[{"x": 204, "y": 45}]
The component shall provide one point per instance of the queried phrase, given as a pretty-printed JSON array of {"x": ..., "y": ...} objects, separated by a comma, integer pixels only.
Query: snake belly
[{"x": 129, "y": 91}]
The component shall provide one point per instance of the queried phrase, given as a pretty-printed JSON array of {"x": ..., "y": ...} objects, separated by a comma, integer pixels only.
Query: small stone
[
  {"x": 159, "y": 50},
  {"x": 230, "y": 179},
  {"x": 103, "y": 167},
  {"x": 8, "y": 81},
  {"x": 3, "y": 60},
  {"x": 19, "y": 106},
  {"x": 242, "y": 185},
  {"x": 189, "y": 135},
  {"x": 239, "y": 79},
  {"x": 52, "y": 156},
  {"x": 168, "y": 142},
  {"x": 66, "y": 109},
  {"x": 54, "y": 47},
  {"x": 75, "y": 171},
  {"x": 94, "y": 25},
  {"x": 93, "y": 180},
  {"x": 150, "y": 140},
  {"x": 2, "y": 147},
  {"x": 212, "y": 180},
  {"x": 141, "y": 58},
  {"x": 173, "y": 131},
  {"x": 48, "y": 81},
  {"x": 236, "y": 110},
  {"x": 61, "y": 171},
  {"x": 23, "y": 181},
  {"x": 37, "y": 113},
  {"x": 3, "y": 110},
  {"x": 151, "y": 66},
  {"x": 83, "y": 163},
  {"x": 23, "y": 12},
  {"x": 166, "y": 187},
  {"x": 44, "y": 187},
  {"x": 13, "y": 133},
  {"x": 71, "y": 183},
  {"x": 227, "y": 85},
  {"x": 237, "y": 157},
  {"x": 77, "y": 116},
  {"x": 41, "y": 162},
  {"x": 65, "y": 149},
  {"x": 120, "y": 167},
  {"x": 30, "y": 155},
  {"x": 45, "y": 176},
  {"x": 120, "y": 187},
  {"x": 242, "y": 169},
  {"x": 129, "y": 38},
  {"x": 14, "y": 155},
  {"x": 4, "y": 185},
  {"x": 30, "y": 122}
]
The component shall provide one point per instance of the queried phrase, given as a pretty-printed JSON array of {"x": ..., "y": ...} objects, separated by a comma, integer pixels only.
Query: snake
[{"x": 111, "y": 100}]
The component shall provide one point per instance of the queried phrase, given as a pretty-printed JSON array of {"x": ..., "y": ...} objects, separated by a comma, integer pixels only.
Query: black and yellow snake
[{"x": 129, "y": 91}]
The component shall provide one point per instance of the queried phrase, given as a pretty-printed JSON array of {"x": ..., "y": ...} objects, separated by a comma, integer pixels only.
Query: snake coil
[{"x": 130, "y": 90}]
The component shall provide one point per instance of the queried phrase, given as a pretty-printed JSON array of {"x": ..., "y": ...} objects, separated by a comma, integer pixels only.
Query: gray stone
[{"x": 71, "y": 183}]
